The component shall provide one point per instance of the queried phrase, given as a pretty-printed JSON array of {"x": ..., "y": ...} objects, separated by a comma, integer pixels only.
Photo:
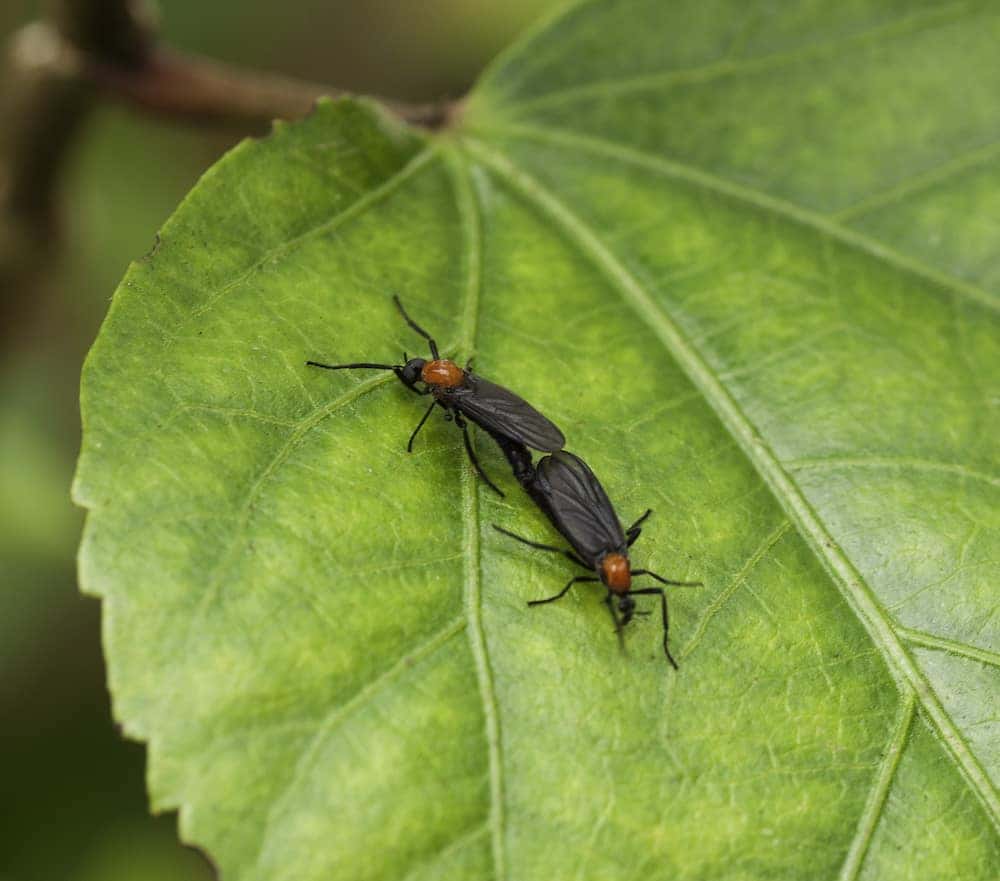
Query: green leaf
[{"x": 744, "y": 255}]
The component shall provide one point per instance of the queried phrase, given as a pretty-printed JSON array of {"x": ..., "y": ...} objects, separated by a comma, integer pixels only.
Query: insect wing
[
  {"x": 578, "y": 506},
  {"x": 500, "y": 410}
]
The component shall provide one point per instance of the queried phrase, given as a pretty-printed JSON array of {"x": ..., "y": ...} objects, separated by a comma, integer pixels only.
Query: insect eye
[{"x": 411, "y": 370}]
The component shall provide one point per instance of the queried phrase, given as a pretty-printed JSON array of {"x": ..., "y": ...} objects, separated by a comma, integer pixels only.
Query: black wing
[
  {"x": 499, "y": 410},
  {"x": 578, "y": 506}
]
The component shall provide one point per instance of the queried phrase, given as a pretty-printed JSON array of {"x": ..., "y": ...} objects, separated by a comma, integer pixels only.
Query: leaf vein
[
  {"x": 215, "y": 579},
  {"x": 729, "y": 66},
  {"x": 879, "y": 793},
  {"x": 805, "y": 217},
  {"x": 741, "y": 576},
  {"x": 372, "y": 197},
  {"x": 849, "y": 581},
  {"x": 931, "y": 177},
  {"x": 230, "y": 413},
  {"x": 930, "y": 641},
  {"x": 341, "y": 711},
  {"x": 451, "y": 847},
  {"x": 888, "y": 462}
]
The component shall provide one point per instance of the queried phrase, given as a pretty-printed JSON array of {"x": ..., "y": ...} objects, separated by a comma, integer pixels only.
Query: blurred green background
[{"x": 74, "y": 804}]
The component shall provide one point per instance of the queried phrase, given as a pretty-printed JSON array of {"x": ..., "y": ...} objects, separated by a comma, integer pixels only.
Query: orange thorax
[
  {"x": 442, "y": 373},
  {"x": 616, "y": 572}
]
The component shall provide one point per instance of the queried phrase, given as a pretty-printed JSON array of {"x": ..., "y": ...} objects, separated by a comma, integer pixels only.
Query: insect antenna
[
  {"x": 663, "y": 580},
  {"x": 365, "y": 366},
  {"x": 413, "y": 324}
]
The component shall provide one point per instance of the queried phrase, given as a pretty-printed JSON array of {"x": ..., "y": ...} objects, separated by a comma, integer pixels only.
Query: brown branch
[
  {"x": 200, "y": 90},
  {"x": 56, "y": 70},
  {"x": 118, "y": 31},
  {"x": 43, "y": 105},
  {"x": 42, "y": 110}
]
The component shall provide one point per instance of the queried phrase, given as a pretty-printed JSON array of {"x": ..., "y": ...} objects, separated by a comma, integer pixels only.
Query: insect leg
[
  {"x": 663, "y": 580},
  {"x": 666, "y": 617},
  {"x": 416, "y": 391},
  {"x": 461, "y": 423},
  {"x": 420, "y": 424},
  {"x": 562, "y": 593},
  {"x": 641, "y": 520},
  {"x": 609, "y": 602},
  {"x": 413, "y": 324},
  {"x": 635, "y": 530},
  {"x": 542, "y": 547}
]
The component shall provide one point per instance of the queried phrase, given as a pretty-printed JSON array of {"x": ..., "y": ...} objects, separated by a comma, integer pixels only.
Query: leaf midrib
[
  {"x": 468, "y": 211},
  {"x": 854, "y": 589}
]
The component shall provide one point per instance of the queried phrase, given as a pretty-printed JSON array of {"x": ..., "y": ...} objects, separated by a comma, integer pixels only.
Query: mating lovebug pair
[{"x": 562, "y": 484}]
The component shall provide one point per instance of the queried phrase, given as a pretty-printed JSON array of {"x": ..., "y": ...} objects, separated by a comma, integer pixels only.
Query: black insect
[
  {"x": 464, "y": 395},
  {"x": 572, "y": 497}
]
